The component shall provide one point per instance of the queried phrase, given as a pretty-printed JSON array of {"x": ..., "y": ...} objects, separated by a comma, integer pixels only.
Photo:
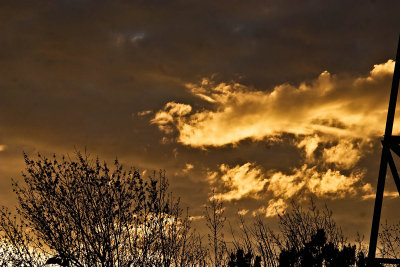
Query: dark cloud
[{"x": 77, "y": 73}]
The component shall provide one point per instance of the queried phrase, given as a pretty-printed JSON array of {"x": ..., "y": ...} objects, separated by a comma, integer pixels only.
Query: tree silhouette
[
  {"x": 79, "y": 212},
  {"x": 17, "y": 243},
  {"x": 298, "y": 225},
  {"x": 312, "y": 238},
  {"x": 389, "y": 238},
  {"x": 215, "y": 220}
]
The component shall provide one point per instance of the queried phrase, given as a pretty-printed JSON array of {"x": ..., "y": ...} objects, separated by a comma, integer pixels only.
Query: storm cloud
[{"x": 236, "y": 91}]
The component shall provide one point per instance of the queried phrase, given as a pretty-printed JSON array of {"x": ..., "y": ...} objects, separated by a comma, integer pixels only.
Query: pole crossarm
[
  {"x": 394, "y": 147},
  {"x": 395, "y": 174},
  {"x": 395, "y": 139}
]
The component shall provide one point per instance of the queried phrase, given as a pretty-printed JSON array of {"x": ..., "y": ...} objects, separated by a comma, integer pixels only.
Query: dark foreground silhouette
[{"x": 80, "y": 212}]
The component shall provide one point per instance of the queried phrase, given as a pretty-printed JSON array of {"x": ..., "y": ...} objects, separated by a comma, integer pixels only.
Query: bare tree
[
  {"x": 302, "y": 231},
  {"x": 18, "y": 247},
  {"x": 389, "y": 238},
  {"x": 215, "y": 220},
  {"x": 297, "y": 226},
  {"x": 264, "y": 239},
  {"x": 256, "y": 241},
  {"x": 312, "y": 238},
  {"x": 78, "y": 212}
]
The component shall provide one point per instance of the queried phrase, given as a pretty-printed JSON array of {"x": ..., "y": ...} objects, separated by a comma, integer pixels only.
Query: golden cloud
[
  {"x": 390, "y": 194},
  {"x": 196, "y": 218},
  {"x": 344, "y": 154},
  {"x": 329, "y": 183},
  {"x": 309, "y": 144},
  {"x": 249, "y": 180},
  {"x": 170, "y": 115},
  {"x": 243, "y": 212},
  {"x": 188, "y": 167},
  {"x": 274, "y": 207},
  {"x": 144, "y": 113},
  {"x": 346, "y": 107},
  {"x": 333, "y": 118},
  {"x": 241, "y": 181}
]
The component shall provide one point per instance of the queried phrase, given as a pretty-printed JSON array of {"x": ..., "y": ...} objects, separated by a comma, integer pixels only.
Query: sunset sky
[{"x": 265, "y": 101}]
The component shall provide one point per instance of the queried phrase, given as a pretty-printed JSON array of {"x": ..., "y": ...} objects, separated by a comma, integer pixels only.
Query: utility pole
[{"x": 389, "y": 143}]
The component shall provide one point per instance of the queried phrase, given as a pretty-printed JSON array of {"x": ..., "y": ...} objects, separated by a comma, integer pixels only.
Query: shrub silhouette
[
  {"x": 243, "y": 260},
  {"x": 318, "y": 252}
]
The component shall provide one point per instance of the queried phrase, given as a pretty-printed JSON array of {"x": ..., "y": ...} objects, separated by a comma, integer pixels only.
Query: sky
[{"x": 261, "y": 101}]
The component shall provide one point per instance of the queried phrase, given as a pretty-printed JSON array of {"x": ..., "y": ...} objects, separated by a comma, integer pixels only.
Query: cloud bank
[
  {"x": 332, "y": 119},
  {"x": 249, "y": 180},
  {"x": 352, "y": 107}
]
